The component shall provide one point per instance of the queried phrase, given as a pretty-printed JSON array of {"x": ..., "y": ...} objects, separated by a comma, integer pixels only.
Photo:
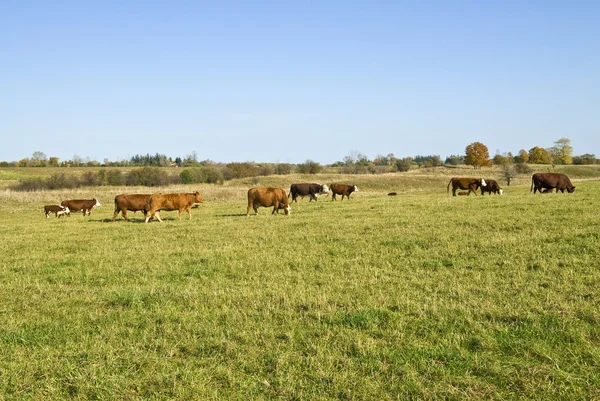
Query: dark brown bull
[
  {"x": 492, "y": 186},
  {"x": 342, "y": 189},
  {"x": 267, "y": 197},
  {"x": 133, "y": 203},
  {"x": 466, "y": 183},
  {"x": 549, "y": 181},
  {"x": 57, "y": 210},
  {"x": 180, "y": 202},
  {"x": 85, "y": 205}
]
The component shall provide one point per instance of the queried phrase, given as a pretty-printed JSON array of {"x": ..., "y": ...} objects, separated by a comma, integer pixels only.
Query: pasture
[{"x": 417, "y": 296}]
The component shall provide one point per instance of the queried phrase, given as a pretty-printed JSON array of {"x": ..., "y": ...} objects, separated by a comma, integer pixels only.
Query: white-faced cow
[
  {"x": 85, "y": 205},
  {"x": 57, "y": 210},
  {"x": 342, "y": 189},
  {"x": 311, "y": 190},
  {"x": 267, "y": 197},
  {"x": 491, "y": 187},
  {"x": 466, "y": 183},
  {"x": 180, "y": 202},
  {"x": 133, "y": 203},
  {"x": 549, "y": 181}
]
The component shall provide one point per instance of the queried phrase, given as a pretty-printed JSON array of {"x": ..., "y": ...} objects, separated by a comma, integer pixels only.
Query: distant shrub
[
  {"x": 309, "y": 167},
  {"x": 404, "y": 164},
  {"x": 522, "y": 168},
  {"x": 209, "y": 175},
  {"x": 61, "y": 180},
  {"x": 283, "y": 168},
  {"x": 115, "y": 178},
  {"x": 266, "y": 169},
  {"x": 239, "y": 170}
]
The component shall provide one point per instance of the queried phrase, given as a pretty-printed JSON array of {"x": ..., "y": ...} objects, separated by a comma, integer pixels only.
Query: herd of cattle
[{"x": 152, "y": 204}]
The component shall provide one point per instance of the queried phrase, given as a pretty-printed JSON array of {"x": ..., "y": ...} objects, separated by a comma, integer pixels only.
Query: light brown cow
[
  {"x": 180, "y": 202},
  {"x": 267, "y": 197},
  {"x": 132, "y": 202}
]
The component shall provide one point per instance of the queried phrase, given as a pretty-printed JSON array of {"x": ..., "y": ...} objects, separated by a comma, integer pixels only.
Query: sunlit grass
[{"x": 420, "y": 296}]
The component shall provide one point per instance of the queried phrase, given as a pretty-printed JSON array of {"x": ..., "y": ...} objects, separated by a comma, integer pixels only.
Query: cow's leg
[
  {"x": 47, "y": 215},
  {"x": 473, "y": 189},
  {"x": 189, "y": 210},
  {"x": 124, "y": 214},
  {"x": 454, "y": 191}
]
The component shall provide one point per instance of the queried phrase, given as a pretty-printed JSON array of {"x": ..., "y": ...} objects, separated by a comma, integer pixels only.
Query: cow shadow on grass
[{"x": 234, "y": 215}]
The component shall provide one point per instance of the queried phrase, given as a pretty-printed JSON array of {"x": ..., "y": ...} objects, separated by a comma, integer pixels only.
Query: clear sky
[{"x": 287, "y": 81}]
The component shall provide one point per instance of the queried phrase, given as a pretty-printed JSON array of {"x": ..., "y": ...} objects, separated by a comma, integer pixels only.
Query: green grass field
[{"x": 418, "y": 296}]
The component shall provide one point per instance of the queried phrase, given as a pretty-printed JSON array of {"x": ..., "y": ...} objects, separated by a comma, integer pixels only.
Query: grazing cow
[
  {"x": 342, "y": 189},
  {"x": 180, "y": 202},
  {"x": 134, "y": 203},
  {"x": 466, "y": 183},
  {"x": 550, "y": 181},
  {"x": 463, "y": 193},
  {"x": 267, "y": 197},
  {"x": 492, "y": 186},
  {"x": 311, "y": 190},
  {"x": 57, "y": 210},
  {"x": 85, "y": 205}
]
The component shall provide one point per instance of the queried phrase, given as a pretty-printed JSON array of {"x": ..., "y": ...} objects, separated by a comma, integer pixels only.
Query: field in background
[{"x": 420, "y": 296}]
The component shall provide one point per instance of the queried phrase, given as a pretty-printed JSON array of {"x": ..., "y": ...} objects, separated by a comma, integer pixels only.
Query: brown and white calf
[{"x": 57, "y": 210}]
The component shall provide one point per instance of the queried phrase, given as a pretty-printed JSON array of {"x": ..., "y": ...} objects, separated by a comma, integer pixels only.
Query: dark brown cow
[
  {"x": 466, "y": 183},
  {"x": 85, "y": 205},
  {"x": 342, "y": 189},
  {"x": 492, "y": 186},
  {"x": 310, "y": 190},
  {"x": 267, "y": 197},
  {"x": 550, "y": 181},
  {"x": 180, "y": 202},
  {"x": 57, "y": 210},
  {"x": 132, "y": 202}
]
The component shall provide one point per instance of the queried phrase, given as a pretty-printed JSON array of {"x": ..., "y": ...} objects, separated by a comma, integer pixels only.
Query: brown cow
[
  {"x": 466, "y": 183},
  {"x": 85, "y": 205},
  {"x": 342, "y": 189},
  {"x": 267, "y": 197},
  {"x": 550, "y": 181},
  {"x": 57, "y": 210},
  {"x": 180, "y": 202},
  {"x": 492, "y": 186},
  {"x": 134, "y": 203}
]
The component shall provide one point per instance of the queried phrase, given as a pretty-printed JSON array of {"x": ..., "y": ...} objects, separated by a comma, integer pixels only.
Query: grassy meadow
[{"x": 418, "y": 296}]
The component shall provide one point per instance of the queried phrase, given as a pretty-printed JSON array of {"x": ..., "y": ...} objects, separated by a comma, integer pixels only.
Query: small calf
[{"x": 57, "y": 210}]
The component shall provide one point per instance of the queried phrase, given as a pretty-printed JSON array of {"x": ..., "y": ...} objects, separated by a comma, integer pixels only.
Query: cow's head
[
  {"x": 483, "y": 183},
  {"x": 571, "y": 190},
  {"x": 97, "y": 203},
  {"x": 285, "y": 206},
  {"x": 355, "y": 189},
  {"x": 197, "y": 197},
  {"x": 500, "y": 191},
  {"x": 325, "y": 189}
]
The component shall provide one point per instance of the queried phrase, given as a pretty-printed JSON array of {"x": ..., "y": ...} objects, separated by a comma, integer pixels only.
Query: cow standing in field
[
  {"x": 85, "y": 205},
  {"x": 549, "y": 181},
  {"x": 267, "y": 197},
  {"x": 492, "y": 186},
  {"x": 132, "y": 202},
  {"x": 311, "y": 190},
  {"x": 466, "y": 183},
  {"x": 57, "y": 210},
  {"x": 180, "y": 202},
  {"x": 342, "y": 189}
]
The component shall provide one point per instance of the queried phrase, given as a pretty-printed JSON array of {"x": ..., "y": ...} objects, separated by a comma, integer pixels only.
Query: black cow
[
  {"x": 549, "y": 181},
  {"x": 311, "y": 190},
  {"x": 492, "y": 186}
]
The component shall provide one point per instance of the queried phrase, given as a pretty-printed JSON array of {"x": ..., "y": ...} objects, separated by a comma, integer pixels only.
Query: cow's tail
[
  {"x": 531, "y": 189},
  {"x": 448, "y": 187}
]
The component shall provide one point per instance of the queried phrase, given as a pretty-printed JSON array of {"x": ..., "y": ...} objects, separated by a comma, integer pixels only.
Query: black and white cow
[{"x": 312, "y": 190}]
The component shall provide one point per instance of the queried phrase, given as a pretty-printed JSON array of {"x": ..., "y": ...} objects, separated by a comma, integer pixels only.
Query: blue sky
[{"x": 283, "y": 81}]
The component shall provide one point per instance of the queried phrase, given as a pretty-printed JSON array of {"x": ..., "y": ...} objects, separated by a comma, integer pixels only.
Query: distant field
[{"x": 418, "y": 296}]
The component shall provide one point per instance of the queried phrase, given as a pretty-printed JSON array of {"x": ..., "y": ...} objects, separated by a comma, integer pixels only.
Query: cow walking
[
  {"x": 492, "y": 186},
  {"x": 469, "y": 183},
  {"x": 311, "y": 190},
  {"x": 133, "y": 203},
  {"x": 342, "y": 189},
  {"x": 57, "y": 210},
  {"x": 180, "y": 202},
  {"x": 84, "y": 205},
  {"x": 267, "y": 197}
]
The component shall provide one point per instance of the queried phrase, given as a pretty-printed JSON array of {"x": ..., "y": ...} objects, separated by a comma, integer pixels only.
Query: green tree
[
  {"x": 562, "y": 151},
  {"x": 477, "y": 155}
]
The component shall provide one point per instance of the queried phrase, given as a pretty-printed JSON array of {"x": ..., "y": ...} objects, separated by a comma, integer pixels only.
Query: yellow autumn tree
[{"x": 477, "y": 155}]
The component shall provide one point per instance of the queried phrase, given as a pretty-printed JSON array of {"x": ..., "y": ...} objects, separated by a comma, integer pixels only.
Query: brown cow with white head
[{"x": 472, "y": 184}]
